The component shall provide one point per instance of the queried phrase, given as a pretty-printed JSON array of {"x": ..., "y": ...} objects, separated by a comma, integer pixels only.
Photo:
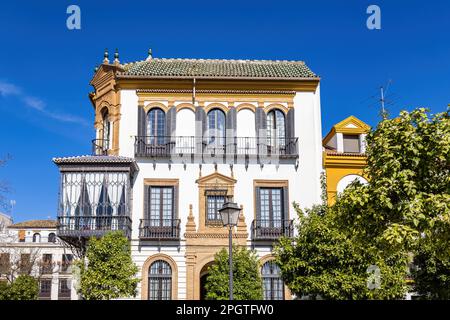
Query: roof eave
[{"x": 124, "y": 77}]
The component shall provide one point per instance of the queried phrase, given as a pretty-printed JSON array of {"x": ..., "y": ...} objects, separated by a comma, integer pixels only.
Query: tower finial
[
  {"x": 105, "y": 56},
  {"x": 116, "y": 57},
  {"x": 150, "y": 55}
]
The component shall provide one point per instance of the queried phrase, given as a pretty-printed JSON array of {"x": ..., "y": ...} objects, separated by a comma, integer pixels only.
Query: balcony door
[
  {"x": 276, "y": 131},
  {"x": 271, "y": 219},
  {"x": 156, "y": 127},
  {"x": 216, "y": 131}
]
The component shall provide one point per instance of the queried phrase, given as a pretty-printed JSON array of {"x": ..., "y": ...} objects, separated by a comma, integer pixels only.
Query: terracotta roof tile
[{"x": 35, "y": 224}]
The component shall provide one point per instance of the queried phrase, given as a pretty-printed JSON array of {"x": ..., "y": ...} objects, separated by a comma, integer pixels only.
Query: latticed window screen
[
  {"x": 216, "y": 127},
  {"x": 161, "y": 206},
  {"x": 160, "y": 281},
  {"x": 272, "y": 283},
  {"x": 271, "y": 203},
  {"x": 276, "y": 128},
  {"x": 156, "y": 126},
  {"x": 88, "y": 200},
  {"x": 214, "y": 201}
]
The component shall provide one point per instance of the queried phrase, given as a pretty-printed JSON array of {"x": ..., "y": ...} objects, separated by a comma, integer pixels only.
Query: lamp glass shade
[{"x": 230, "y": 213}]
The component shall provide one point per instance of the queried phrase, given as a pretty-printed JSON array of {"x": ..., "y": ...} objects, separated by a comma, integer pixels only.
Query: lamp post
[{"x": 230, "y": 214}]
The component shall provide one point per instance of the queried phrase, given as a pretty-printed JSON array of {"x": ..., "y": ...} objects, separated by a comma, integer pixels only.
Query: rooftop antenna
[
  {"x": 12, "y": 204},
  {"x": 383, "y": 93}
]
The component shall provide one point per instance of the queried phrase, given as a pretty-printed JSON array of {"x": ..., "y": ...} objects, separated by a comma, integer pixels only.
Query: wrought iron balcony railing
[
  {"x": 272, "y": 229},
  {"x": 166, "y": 146},
  {"x": 100, "y": 147},
  {"x": 92, "y": 226},
  {"x": 150, "y": 229}
]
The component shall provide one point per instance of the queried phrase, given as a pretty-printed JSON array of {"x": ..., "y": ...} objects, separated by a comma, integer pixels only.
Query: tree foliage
[
  {"x": 109, "y": 272},
  {"x": 405, "y": 204},
  {"x": 247, "y": 284},
  {"x": 24, "y": 287}
]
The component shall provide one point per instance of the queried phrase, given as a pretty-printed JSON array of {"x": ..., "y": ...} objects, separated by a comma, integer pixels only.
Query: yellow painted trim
[
  {"x": 185, "y": 105},
  {"x": 156, "y": 105},
  {"x": 247, "y": 106},
  {"x": 146, "y": 266},
  {"x": 216, "y": 105},
  {"x": 277, "y": 106}
]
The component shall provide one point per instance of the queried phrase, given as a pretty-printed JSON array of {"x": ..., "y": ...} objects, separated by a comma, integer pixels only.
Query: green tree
[
  {"x": 406, "y": 202},
  {"x": 247, "y": 284},
  {"x": 109, "y": 272},
  {"x": 24, "y": 287}
]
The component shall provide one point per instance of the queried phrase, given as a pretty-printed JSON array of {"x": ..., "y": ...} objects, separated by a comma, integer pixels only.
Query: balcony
[
  {"x": 237, "y": 147},
  {"x": 92, "y": 226},
  {"x": 157, "y": 229},
  {"x": 100, "y": 147},
  {"x": 272, "y": 229}
]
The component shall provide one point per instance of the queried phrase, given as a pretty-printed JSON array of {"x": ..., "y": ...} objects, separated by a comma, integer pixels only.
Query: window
[
  {"x": 161, "y": 206},
  {"x": 64, "y": 289},
  {"x": 160, "y": 281},
  {"x": 47, "y": 266},
  {"x": 5, "y": 263},
  {"x": 45, "y": 289},
  {"x": 276, "y": 128},
  {"x": 52, "y": 237},
  {"x": 351, "y": 143},
  {"x": 106, "y": 129},
  {"x": 271, "y": 207},
  {"x": 66, "y": 262},
  {"x": 156, "y": 126},
  {"x": 104, "y": 209},
  {"x": 216, "y": 127},
  {"x": 214, "y": 201},
  {"x": 273, "y": 287},
  {"x": 36, "y": 237},
  {"x": 25, "y": 263}
]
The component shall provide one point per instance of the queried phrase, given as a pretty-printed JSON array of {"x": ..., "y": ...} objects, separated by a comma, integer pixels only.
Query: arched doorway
[{"x": 203, "y": 276}]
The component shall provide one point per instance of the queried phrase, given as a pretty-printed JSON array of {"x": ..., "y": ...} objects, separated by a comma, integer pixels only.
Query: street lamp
[{"x": 230, "y": 213}]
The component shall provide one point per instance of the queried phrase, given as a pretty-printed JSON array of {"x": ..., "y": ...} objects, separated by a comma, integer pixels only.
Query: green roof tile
[{"x": 208, "y": 68}]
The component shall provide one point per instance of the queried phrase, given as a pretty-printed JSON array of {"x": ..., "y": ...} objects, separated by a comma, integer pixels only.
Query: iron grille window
[
  {"x": 214, "y": 201},
  {"x": 156, "y": 126},
  {"x": 5, "y": 263},
  {"x": 273, "y": 286},
  {"x": 161, "y": 206},
  {"x": 271, "y": 204},
  {"x": 64, "y": 288},
  {"x": 160, "y": 281},
  {"x": 66, "y": 262},
  {"x": 25, "y": 263},
  {"x": 47, "y": 266},
  {"x": 45, "y": 288}
]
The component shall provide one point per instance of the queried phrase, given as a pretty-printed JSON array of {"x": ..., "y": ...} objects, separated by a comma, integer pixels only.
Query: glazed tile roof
[
  {"x": 219, "y": 69},
  {"x": 35, "y": 224},
  {"x": 93, "y": 159}
]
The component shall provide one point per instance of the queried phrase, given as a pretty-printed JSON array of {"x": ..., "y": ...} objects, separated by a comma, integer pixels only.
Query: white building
[
  {"x": 176, "y": 138},
  {"x": 32, "y": 247}
]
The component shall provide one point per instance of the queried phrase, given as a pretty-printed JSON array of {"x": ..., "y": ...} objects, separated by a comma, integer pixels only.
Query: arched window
[
  {"x": 36, "y": 237},
  {"x": 52, "y": 237},
  {"x": 106, "y": 129},
  {"x": 156, "y": 126},
  {"x": 272, "y": 284},
  {"x": 216, "y": 127},
  {"x": 276, "y": 128},
  {"x": 160, "y": 281}
]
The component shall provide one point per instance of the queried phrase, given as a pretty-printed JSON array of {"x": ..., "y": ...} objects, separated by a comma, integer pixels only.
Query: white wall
[{"x": 245, "y": 126}]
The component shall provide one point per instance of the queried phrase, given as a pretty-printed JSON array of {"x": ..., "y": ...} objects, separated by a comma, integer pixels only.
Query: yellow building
[{"x": 344, "y": 155}]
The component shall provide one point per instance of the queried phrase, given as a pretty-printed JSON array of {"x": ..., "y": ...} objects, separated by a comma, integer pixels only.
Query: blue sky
[{"x": 45, "y": 68}]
